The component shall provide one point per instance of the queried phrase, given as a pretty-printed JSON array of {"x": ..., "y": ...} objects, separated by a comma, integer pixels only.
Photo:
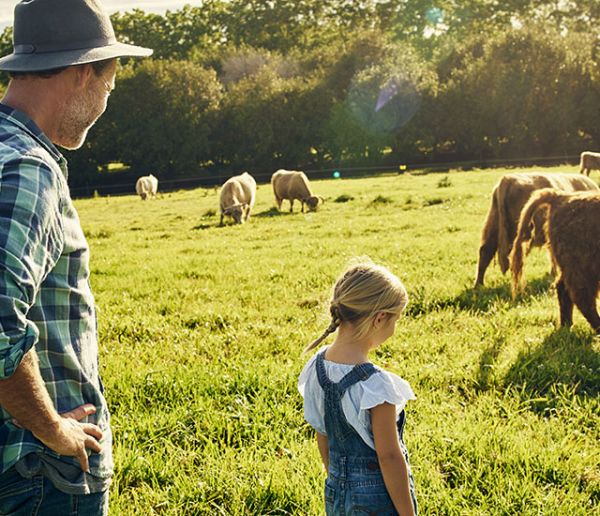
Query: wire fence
[{"x": 212, "y": 178}]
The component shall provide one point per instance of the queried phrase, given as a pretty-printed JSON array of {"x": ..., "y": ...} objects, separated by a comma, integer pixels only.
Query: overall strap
[
  {"x": 324, "y": 380},
  {"x": 359, "y": 373}
]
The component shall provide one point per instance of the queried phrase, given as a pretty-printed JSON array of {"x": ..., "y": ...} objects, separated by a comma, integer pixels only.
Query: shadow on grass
[
  {"x": 200, "y": 227},
  {"x": 479, "y": 300},
  {"x": 565, "y": 361},
  {"x": 272, "y": 212}
]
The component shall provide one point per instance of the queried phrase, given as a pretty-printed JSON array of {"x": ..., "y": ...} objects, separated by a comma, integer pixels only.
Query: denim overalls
[{"x": 354, "y": 484}]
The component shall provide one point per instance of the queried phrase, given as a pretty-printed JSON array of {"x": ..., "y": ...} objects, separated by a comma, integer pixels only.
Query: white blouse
[{"x": 379, "y": 388}]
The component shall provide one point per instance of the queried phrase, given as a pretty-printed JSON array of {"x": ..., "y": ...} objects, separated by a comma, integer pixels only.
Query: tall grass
[{"x": 202, "y": 327}]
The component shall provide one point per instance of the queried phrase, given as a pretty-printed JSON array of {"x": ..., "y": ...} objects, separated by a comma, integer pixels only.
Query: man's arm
[
  {"x": 30, "y": 244},
  {"x": 25, "y": 397}
]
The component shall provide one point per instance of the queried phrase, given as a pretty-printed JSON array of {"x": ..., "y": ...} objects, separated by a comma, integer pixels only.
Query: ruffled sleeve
[
  {"x": 385, "y": 387},
  {"x": 309, "y": 388}
]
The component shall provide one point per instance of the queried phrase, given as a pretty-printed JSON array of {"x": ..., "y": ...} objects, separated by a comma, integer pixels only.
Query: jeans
[{"x": 34, "y": 496}]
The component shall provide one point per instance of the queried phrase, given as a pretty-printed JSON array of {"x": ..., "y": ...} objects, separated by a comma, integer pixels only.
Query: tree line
[{"x": 256, "y": 85}]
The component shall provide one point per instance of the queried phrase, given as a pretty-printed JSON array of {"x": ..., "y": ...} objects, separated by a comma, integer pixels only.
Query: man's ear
[{"x": 82, "y": 74}]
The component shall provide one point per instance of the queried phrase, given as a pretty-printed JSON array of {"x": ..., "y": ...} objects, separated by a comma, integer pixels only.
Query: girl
[{"x": 356, "y": 408}]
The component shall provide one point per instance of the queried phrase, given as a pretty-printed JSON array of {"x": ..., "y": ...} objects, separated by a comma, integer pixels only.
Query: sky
[{"x": 111, "y": 6}]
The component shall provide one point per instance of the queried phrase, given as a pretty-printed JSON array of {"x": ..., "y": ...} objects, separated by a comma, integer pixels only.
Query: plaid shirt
[{"x": 45, "y": 295}]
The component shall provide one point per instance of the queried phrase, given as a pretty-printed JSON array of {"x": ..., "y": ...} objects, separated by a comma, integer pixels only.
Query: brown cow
[
  {"x": 573, "y": 235},
  {"x": 508, "y": 198},
  {"x": 589, "y": 161}
]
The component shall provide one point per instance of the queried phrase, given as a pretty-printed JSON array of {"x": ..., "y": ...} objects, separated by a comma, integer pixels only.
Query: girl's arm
[
  {"x": 323, "y": 444},
  {"x": 391, "y": 460}
]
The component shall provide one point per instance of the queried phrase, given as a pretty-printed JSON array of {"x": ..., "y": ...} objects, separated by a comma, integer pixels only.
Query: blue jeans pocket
[
  {"x": 18, "y": 495},
  {"x": 329, "y": 500},
  {"x": 374, "y": 504}
]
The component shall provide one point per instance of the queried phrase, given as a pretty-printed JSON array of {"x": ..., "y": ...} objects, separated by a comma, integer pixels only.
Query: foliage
[
  {"x": 161, "y": 117},
  {"x": 524, "y": 92}
]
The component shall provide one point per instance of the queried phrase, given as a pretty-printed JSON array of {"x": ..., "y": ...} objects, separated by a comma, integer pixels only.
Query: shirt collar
[{"x": 21, "y": 120}]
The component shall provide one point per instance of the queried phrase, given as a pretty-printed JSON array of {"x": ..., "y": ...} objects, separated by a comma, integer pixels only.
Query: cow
[
  {"x": 508, "y": 198},
  {"x": 292, "y": 185},
  {"x": 572, "y": 234},
  {"x": 589, "y": 161},
  {"x": 146, "y": 187},
  {"x": 237, "y": 198}
]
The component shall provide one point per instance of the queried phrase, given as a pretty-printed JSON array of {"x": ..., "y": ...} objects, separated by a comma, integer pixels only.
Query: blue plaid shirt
[{"x": 45, "y": 296}]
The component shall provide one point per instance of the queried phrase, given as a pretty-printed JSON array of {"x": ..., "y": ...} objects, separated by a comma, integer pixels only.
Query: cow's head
[
  {"x": 313, "y": 202},
  {"x": 236, "y": 212}
]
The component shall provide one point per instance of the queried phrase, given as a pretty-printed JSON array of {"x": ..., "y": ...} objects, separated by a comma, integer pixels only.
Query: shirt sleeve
[
  {"x": 385, "y": 387},
  {"x": 31, "y": 241},
  {"x": 309, "y": 388}
]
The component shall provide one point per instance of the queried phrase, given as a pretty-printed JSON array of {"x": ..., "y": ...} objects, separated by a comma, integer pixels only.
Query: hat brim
[{"x": 37, "y": 62}]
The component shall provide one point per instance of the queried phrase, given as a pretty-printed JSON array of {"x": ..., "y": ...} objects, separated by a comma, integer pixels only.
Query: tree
[
  {"x": 160, "y": 118},
  {"x": 516, "y": 93}
]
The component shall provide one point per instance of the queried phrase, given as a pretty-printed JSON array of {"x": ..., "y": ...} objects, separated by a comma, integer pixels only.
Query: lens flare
[{"x": 336, "y": 174}]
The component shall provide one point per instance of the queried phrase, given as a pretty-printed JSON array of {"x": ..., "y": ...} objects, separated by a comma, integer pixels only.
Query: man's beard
[{"x": 78, "y": 116}]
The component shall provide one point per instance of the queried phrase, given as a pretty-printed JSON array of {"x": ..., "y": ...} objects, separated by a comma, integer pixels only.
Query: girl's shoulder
[
  {"x": 381, "y": 387},
  {"x": 384, "y": 387}
]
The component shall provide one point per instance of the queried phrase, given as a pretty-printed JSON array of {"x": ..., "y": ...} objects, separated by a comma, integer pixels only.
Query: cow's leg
[
  {"x": 221, "y": 222},
  {"x": 565, "y": 303},
  {"x": 585, "y": 299},
  {"x": 302, "y": 203},
  {"x": 486, "y": 254},
  {"x": 291, "y": 205},
  {"x": 278, "y": 200}
]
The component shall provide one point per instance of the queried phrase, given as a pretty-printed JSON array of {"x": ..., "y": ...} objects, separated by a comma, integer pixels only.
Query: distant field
[{"x": 202, "y": 327}]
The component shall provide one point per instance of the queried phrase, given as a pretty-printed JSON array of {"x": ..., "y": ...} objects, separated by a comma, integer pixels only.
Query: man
[{"x": 55, "y": 439}]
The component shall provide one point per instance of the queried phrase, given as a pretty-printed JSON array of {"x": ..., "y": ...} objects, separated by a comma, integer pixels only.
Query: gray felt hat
[{"x": 50, "y": 34}]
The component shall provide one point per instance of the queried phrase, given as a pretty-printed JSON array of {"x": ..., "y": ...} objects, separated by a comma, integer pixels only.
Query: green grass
[{"x": 202, "y": 327}]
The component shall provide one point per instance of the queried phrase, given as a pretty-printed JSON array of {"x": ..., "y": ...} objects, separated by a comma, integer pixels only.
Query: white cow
[
  {"x": 146, "y": 187},
  {"x": 291, "y": 185},
  {"x": 237, "y": 198}
]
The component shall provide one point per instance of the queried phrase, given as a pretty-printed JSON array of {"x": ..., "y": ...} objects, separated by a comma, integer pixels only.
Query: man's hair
[{"x": 98, "y": 66}]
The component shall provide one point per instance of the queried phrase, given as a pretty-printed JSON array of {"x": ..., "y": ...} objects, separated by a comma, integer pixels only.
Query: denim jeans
[
  {"x": 354, "y": 483},
  {"x": 34, "y": 496}
]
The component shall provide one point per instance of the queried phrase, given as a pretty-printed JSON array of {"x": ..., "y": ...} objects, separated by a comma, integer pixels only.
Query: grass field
[{"x": 202, "y": 327}]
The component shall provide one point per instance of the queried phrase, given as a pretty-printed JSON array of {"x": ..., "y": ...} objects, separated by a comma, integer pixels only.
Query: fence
[{"x": 214, "y": 178}]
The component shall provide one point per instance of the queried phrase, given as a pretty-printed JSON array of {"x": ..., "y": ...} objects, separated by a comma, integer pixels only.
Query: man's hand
[{"x": 67, "y": 436}]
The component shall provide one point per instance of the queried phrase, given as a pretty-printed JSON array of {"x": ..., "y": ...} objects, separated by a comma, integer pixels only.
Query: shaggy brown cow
[
  {"x": 508, "y": 198},
  {"x": 573, "y": 235},
  {"x": 589, "y": 161}
]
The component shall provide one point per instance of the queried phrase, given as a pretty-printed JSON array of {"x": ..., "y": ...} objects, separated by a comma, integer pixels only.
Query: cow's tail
[{"x": 543, "y": 198}]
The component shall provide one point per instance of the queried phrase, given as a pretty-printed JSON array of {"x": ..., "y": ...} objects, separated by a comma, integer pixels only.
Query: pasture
[{"x": 202, "y": 328}]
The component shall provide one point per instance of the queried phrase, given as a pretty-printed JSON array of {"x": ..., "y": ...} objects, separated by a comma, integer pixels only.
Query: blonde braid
[{"x": 333, "y": 326}]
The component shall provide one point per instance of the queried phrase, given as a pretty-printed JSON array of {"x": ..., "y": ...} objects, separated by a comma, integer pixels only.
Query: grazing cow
[
  {"x": 146, "y": 187},
  {"x": 237, "y": 198},
  {"x": 589, "y": 161},
  {"x": 573, "y": 235},
  {"x": 292, "y": 185},
  {"x": 508, "y": 198}
]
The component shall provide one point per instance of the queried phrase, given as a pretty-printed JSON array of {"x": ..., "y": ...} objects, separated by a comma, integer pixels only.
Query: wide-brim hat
[{"x": 50, "y": 34}]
